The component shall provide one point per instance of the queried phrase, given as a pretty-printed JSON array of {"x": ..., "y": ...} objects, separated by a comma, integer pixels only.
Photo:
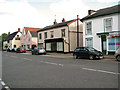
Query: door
[
  {"x": 104, "y": 44},
  {"x": 54, "y": 46}
]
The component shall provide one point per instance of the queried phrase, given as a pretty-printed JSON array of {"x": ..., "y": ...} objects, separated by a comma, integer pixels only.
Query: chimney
[
  {"x": 18, "y": 29},
  {"x": 55, "y": 22},
  {"x": 8, "y": 33},
  {"x": 91, "y": 11},
  {"x": 63, "y": 20}
]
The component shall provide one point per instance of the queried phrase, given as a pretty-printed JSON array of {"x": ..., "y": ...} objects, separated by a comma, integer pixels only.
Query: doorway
[{"x": 104, "y": 44}]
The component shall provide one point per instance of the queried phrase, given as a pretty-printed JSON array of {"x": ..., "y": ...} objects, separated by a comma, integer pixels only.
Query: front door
[
  {"x": 54, "y": 46},
  {"x": 104, "y": 44}
]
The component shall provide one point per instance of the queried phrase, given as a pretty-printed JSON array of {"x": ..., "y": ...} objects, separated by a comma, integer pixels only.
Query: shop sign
[{"x": 115, "y": 34}]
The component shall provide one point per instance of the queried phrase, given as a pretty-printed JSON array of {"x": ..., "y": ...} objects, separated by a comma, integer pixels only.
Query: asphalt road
[{"x": 31, "y": 71}]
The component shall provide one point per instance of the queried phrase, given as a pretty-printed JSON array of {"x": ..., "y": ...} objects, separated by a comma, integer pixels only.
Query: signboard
[{"x": 114, "y": 34}]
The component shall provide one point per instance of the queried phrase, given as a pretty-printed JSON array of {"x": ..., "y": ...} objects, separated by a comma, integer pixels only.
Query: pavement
[{"x": 69, "y": 55}]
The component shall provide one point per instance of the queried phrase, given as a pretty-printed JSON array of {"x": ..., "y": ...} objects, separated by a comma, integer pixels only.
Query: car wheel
[
  {"x": 91, "y": 57},
  {"x": 118, "y": 58},
  {"x": 75, "y": 56}
]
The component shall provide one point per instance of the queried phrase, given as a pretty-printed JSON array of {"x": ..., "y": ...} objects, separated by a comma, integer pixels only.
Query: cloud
[
  {"x": 107, "y": 1},
  {"x": 15, "y": 14},
  {"x": 70, "y": 7}
]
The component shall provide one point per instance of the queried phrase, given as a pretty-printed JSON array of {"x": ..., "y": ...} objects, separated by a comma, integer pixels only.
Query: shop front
[
  {"x": 54, "y": 45},
  {"x": 110, "y": 41}
]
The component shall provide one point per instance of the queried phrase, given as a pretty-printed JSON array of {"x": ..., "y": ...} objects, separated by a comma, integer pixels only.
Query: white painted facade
[{"x": 98, "y": 26}]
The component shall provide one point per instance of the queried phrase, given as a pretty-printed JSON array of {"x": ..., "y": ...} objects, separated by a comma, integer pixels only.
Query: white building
[
  {"x": 12, "y": 40},
  {"x": 101, "y": 29}
]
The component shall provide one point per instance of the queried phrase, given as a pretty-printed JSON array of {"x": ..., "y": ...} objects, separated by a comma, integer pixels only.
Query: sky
[{"x": 16, "y": 14}]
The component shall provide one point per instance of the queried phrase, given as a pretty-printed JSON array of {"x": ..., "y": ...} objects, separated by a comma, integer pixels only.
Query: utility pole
[{"x": 77, "y": 30}]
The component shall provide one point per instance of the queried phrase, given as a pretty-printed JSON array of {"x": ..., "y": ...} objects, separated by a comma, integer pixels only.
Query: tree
[{"x": 2, "y": 38}]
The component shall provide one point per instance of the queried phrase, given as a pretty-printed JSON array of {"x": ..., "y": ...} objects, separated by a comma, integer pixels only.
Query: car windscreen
[
  {"x": 91, "y": 49},
  {"x": 40, "y": 48}
]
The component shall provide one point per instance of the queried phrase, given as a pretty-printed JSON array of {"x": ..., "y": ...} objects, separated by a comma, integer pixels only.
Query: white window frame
[
  {"x": 88, "y": 28},
  {"x": 106, "y": 24}
]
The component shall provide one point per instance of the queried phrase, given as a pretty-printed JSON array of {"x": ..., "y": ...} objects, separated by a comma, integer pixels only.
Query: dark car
[
  {"x": 87, "y": 52},
  {"x": 21, "y": 50},
  {"x": 117, "y": 54},
  {"x": 38, "y": 51},
  {"x": 9, "y": 49}
]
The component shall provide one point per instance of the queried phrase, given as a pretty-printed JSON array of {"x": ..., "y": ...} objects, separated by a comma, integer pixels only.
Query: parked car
[
  {"x": 38, "y": 51},
  {"x": 87, "y": 52},
  {"x": 21, "y": 50},
  {"x": 9, "y": 49},
  {"x": 117, "y": 54},
  {"x": 14, "y": 49}
]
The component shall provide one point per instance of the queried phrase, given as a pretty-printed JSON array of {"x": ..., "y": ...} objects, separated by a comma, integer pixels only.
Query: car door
[{"x": 83, "y": 52}]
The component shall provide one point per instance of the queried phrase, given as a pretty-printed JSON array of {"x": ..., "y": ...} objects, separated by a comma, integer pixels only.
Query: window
[
  {"x": 89, "y": 42},
  {"x": 28, "y": 39},
  {"x": 63, "y": 32},
  {"x": 114, "y": 43},
  {"x": 89, "y": 28},
  {"x": 45, "y": 34},
  {"x": 28, "y": 46},
  {"x": 40, "y": 36},
  {"x": 108, "y": 24},
  {"x": 52, "y": 34}
]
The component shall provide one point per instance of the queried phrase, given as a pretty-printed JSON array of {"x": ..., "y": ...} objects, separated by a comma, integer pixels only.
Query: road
[{"x": 32, "y": 71}]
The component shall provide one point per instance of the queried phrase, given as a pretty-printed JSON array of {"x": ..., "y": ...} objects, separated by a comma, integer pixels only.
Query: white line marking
[
  {"x": 27, "y": 59},
  {"x": 52, "y": 63},
  {"x": 100, "y": 71},
  {"x": 14, "y": 56}
]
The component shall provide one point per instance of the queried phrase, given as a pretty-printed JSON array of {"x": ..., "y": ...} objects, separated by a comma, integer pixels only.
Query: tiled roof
[
  {"x": 30, "y": 29},
  {"x": 11, "y": 36},
  {"x": 103, "y": 12},
  {"x": 57, "y": 25},
  {"x": 34, "y": 33}
]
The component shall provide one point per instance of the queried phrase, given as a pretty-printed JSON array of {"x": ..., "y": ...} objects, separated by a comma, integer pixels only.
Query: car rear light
[{"x": 38, "y": 50}]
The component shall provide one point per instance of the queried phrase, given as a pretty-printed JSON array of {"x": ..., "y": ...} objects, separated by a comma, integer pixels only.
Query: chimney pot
[
  {"x": 8, "y": 33},
  {"x": 18, "y": 29},
  {"x": 63, "y": 20},
  {"x": 91, "y": 11},
  {"x": 55, "y": 22}
]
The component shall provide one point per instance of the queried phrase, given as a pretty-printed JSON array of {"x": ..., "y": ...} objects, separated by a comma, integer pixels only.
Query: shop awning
[{"x": 104, "y": 33}]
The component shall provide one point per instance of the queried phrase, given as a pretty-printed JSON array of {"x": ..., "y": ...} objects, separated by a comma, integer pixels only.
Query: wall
[{"x": 98, "y": 27}]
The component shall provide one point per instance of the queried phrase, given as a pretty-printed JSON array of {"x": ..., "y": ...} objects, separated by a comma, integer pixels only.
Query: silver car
[{"x": 117, "y": 54}]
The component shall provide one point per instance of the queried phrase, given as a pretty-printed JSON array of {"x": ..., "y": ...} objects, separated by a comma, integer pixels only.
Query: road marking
[
  {"x": 27, "y": 59},
  {"x": 101, "y": 71},
  {"x": 52, "y": 63},
  {"x": 14, "y": 56}
]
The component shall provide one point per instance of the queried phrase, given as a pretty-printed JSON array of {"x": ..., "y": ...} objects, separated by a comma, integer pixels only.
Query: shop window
[
  {"x": 108, "y": 24},
  {"x": 59, "y": 46},
  {"x": 89, "y": 42},
  {"x": 89, "y": 28},
  {"x": 117, "y": 42}
]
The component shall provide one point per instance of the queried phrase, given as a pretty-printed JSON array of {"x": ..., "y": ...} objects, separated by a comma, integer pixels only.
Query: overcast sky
[{"x": 16, "y": 14}]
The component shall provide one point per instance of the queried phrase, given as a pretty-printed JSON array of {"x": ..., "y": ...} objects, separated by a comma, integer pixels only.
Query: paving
[{"x": 69, "y": 55}]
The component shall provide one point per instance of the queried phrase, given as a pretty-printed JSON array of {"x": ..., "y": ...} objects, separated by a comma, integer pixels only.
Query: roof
[
  {"x": 103, "y": 12},
  {"x": 34, "y": 33},
  {"x": 30, "y": 29},
  {"x": 58, "y": 25},
  {"x": 11, "y": 36}
]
